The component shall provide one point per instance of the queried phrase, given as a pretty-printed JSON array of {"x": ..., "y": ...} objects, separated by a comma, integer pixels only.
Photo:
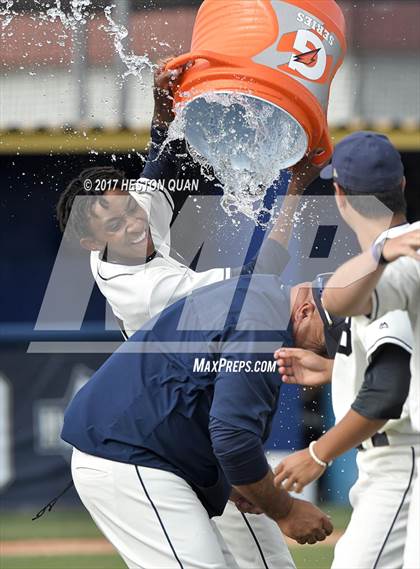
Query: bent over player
[{"x": 159, "y": 446}]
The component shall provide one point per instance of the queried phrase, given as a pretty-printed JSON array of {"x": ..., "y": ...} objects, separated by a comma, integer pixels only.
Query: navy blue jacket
[{"x": 151, "y": 405}]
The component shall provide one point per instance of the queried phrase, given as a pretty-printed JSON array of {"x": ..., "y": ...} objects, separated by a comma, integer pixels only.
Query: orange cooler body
[{"x": 286, "y": 52}]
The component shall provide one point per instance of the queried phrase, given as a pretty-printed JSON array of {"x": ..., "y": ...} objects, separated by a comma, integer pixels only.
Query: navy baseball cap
[
  {"x": 333, "y": 325},
  {"x": 365, "y": 162}
]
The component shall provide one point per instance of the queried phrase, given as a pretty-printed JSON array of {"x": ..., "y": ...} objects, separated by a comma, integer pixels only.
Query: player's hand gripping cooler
[{"x": 281, "y": 54}]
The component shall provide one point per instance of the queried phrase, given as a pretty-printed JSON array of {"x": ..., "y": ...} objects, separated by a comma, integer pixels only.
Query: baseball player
[
  {"x": 129, "y": 241},
  {"x": 379, "y": 290},
  {"x": 370, "y": 376},
  {"x": 160, "y": 442}
]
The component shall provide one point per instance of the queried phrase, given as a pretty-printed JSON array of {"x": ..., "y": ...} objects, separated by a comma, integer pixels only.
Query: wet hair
[
  {"x": 78, "y": 211},
  {"x": 317, "y": 348},
  {"x": 394, "y": 200}
]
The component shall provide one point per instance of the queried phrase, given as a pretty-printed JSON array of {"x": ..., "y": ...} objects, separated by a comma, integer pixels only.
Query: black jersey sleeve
[{"x": 386, "y": 384}]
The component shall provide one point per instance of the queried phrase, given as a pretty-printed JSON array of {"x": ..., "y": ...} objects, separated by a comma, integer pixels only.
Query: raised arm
[
  {"x": 303, "y": 174},
  {"x": 273, "y": 256},
  {"x": 164, "y": 83},
  {"x": 349, "y": 291},
  {"x": 162, "y": 163}
]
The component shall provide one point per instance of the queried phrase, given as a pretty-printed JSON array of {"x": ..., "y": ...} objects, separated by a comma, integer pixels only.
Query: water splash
[
  {"x": 136, "y": 64},
  {"x": 6, "y": 12},
  {"x": 76, "y": 16},
  {"x": 244, "y": 142},
  {"x": 79, "y": 13},
  {"x": 176, "y": 132},
  {"x": 79, "y": 9}
]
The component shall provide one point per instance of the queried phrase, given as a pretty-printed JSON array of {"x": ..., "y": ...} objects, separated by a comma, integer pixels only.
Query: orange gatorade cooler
[{"x": 277, "y": 54}]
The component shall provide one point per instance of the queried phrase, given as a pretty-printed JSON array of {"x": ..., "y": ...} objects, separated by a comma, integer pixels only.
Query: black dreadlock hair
[{"x": 78, "y": 211}]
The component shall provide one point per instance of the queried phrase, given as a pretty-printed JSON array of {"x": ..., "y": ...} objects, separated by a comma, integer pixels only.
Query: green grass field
[
  {"x": 74, "y": 525},
  {"x": 64, "y": 562}
]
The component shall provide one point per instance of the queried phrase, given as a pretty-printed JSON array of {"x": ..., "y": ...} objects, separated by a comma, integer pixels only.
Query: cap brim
[{"x": 327, "y": 173}]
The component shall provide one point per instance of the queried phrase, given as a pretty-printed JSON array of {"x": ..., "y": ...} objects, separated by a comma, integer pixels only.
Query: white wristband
[{"x": 315, "y": 458}]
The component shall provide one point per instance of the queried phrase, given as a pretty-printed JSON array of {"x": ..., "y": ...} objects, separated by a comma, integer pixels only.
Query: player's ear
[
  {"x": 404, "y": 184},
  {"x": 91, "y": 244},
  {"x": 305, "y": 310}
]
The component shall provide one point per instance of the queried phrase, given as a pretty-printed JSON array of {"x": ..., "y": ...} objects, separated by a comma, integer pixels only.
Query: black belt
[{"x": 378, "y": 440}]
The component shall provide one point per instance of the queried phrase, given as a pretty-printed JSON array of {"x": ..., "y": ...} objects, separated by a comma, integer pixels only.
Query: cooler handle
[
  {"x": 326, "y": 150},
  {"x": 210, "y": 56}
]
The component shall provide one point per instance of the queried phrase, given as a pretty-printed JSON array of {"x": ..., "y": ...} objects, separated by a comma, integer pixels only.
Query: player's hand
[
  {"x": 303, "y": 367},
  {"x": 297, "y": 471},
  {"x": 244, "y": 505},
  {"x": 304, "y": 173},
  {"x": 406, "y": 245},
  {"x": 164, "y": 83},
  {"x": 305, "y": 523}
]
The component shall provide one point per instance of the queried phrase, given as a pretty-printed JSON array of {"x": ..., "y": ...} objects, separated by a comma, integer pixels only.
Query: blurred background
[
  {"x": 76, "y": 90},
  {"x": 67, "y": 72}
]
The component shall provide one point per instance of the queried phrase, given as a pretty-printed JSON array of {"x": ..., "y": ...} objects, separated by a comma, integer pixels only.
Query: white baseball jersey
[
  {"x": 399, "y": 288},
  {"x": 136, "y": 293},
  {"x": 384, "y": 496},
  {"x": 159, "y": 207},
  {"x": 358, "y": 344}
]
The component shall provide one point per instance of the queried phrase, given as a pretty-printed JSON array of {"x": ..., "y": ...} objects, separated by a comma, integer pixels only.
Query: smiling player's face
[{"x": 120, "y": 224}]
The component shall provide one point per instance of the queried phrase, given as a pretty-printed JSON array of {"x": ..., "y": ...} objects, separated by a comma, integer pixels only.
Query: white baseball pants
[
  {"x": 255, "y": 542},
  {"x": 412, "y": 546},
  {"x": 156, "y": 521},
  {"x": 377, "y": 533}
]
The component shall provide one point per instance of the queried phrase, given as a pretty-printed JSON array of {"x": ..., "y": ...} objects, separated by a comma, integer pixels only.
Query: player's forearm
[
  {"x": 327, "y": 372},
  {"x": 161, "y": 162},
  {"x": 272, "y": 259},
  {"x": 349, "y": 433},
  {"x": 283, "y": 227},
  {"x": 241, "y": 455},
  {"x": 276, "y": 503},
  {"x": 163, "y": 113},
  {"x": 239, "y": 452},
  {"x": 303, "y": 174},
  {"x": 350, "y": 289}
]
